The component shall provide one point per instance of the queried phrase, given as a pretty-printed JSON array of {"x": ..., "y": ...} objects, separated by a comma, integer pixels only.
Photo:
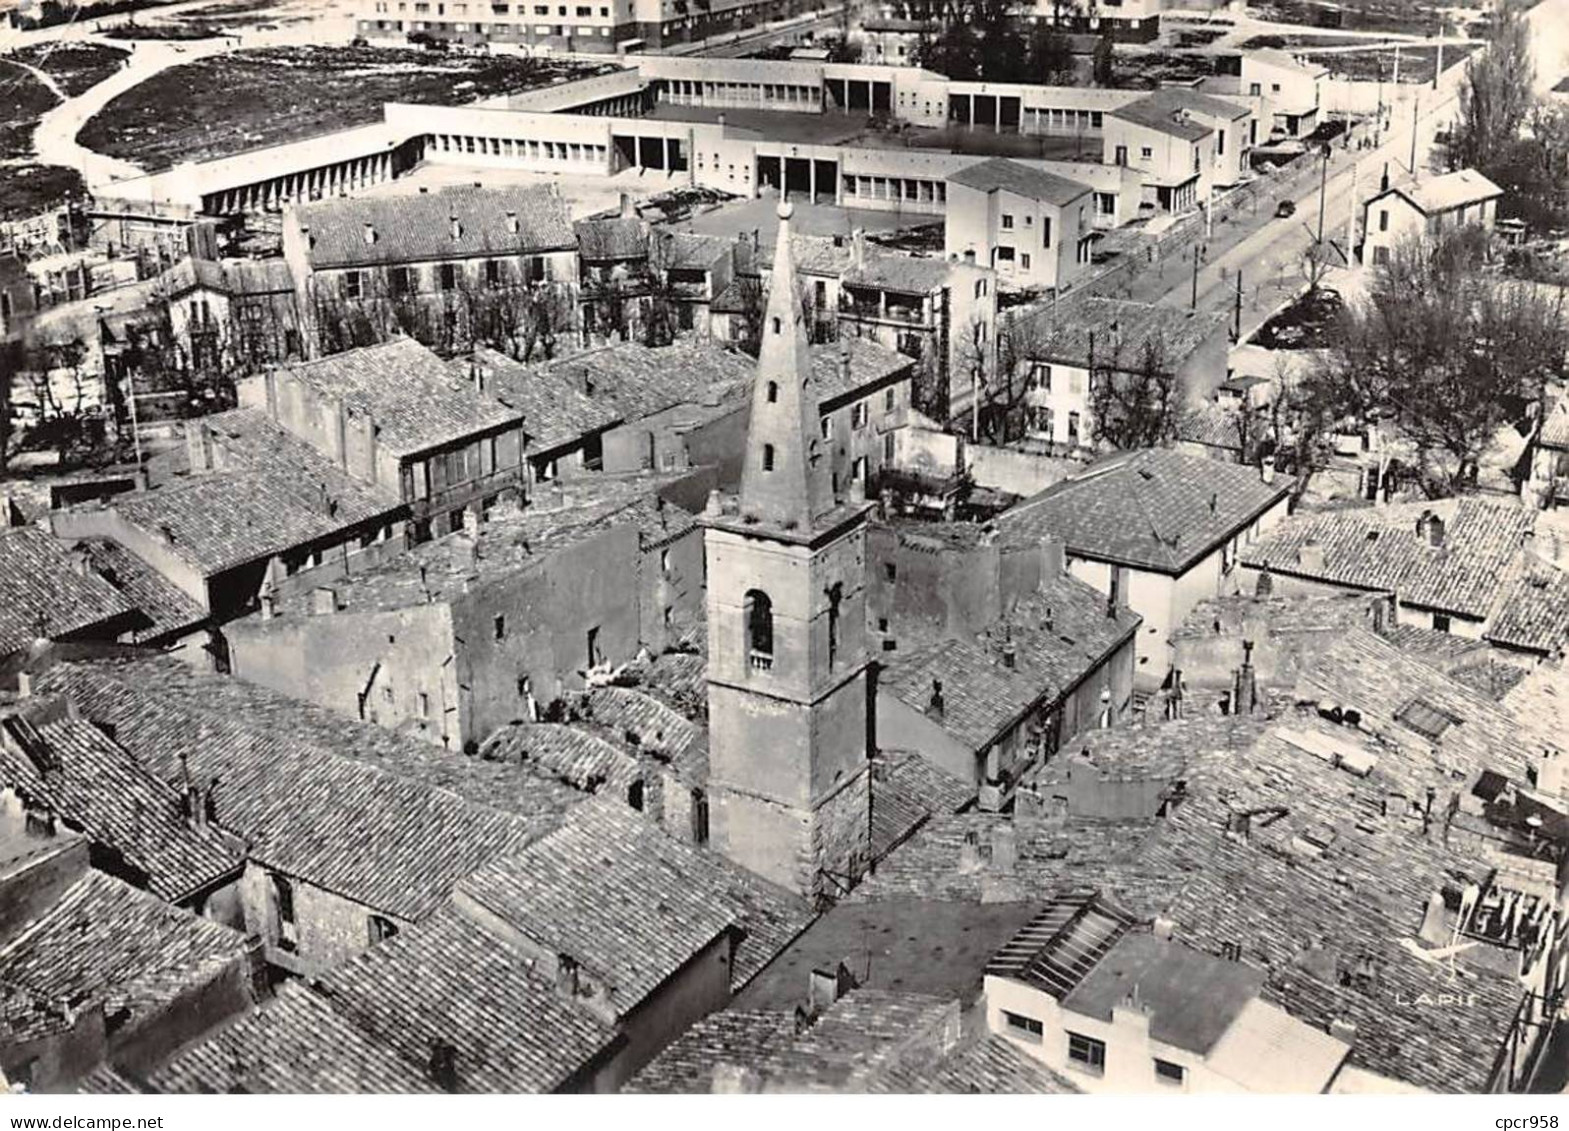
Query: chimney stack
[
  {"x": 443, "y": 1065},
  {"x": 370, "y": 233},
  {"x": 627, "y": 211},
  {"x": 198, "y": 447},
  {"x": 934, "y": 707},
  {"x": 512, "y": 221},
  {"x": 1005, "y": 848},
  {"x": 1265, "y": 585},
  {"x": 324, "y": 601},
  {"x": 1244, "y": 690},
  {"x": 1310, "y": 556},
  {"x": 1010, "y": 654},
  {"x": 1266, "y": 470},
  {"x": 455, "y": 227},
  {"x": 858, "y": 247}
]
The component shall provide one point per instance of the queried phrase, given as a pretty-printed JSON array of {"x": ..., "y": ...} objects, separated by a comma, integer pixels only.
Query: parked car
[{"x": 1285, "y": 208}]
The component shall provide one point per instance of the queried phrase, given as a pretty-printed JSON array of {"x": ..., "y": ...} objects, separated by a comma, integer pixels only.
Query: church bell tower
[{"x": 789, "y": 697}]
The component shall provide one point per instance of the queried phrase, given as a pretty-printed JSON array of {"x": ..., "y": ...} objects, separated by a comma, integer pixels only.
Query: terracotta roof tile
[
  {"x": 1020, "y": 179},
  {"x": 555, "y": 411},
  {"x": 1534, "y": 614},
  {"x": 165, "y": 607},
  {"x": 42, "y": 592},
  {"x": 981, "y": 698}
]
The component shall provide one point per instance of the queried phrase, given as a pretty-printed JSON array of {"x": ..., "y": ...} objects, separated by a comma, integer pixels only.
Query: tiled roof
[
  {"x": 990, "y": 1066},
  {"x": 907, "y": 790},
  {"x": 268, "y": 714},
  {"x": 1166, "y": 111},
  {"x": 336, "y": 823},
  {"x": 95, "y": 785},
  {"x": 555, "y": 411},
  {"x": 106, "y": 1080},
  {"x": 1540, "y": 704},
  {"x": 228, "y": 277},
  {"x": 44, "y": 593},
  {"x": 1443, "y": 650},
  {"x": 274, "y": 493},
  {"x": 104, "y": 941},
  {"x": 295, "y": 1043},
  {"x": 687, "y": 1065},
  {"x": 1534, "y": 614},
  {"x": 1281, "y": 615},
  {"x": 1440, "y": 194},
  {"x": 413, "y": 397},
  {"x": 1489, "y": 676},
  {"x": 165, "y": 606},
  {"x": 451, "y": 981},
  {"x": 1062, "y": 632},
  {"x": 632, "y": 904},
  {"x": 1115, "y": 333},
  {"x": 1213, "y": 427},
  {"x": 691, "y": 251},
  {"x": 667, "y": 734},
  {"x": 632, "y": 919},
  {"x": 1555, "y": 425},
  {"x": 1022, "y": 180},
  {"x": 981, "y": 698},
  {"x": 417, "y": 227},
  {"x": 635, "y": 381},
  {"x": 1158, "y": 509},
  {"x": 610, "y": 239},
  {"x": 566, "y": 754},
  {"x": 906, "y": 274},
  {"x": 1265, "y": 1049},
  {"x": 871, "y": 366},
  {"x": 1380, "y": 548}
]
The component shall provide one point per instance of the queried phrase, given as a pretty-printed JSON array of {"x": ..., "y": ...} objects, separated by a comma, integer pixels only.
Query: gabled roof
[
  {"x": 555, "y": 411},
  {"x": 1534, "y": 614},
  {"x": 1089, "y": 330},
  {"x": 334, "y": 822},
  {"x": 1450, "y": 191},
  {"x": 981, "y": 698},
  {"x": 633, "y": 381},
  {"x": 106, "y": 942},
  {"x": 409, "y": 393},
  {"x": 297, "y": 1042},
  {"x": 1158, "y": 510},
  {"x": 611, "y": 239},
  {"x": 418, "y": 227},
  {"x": 43, "y": 592},
  {"x": 1274, "y": 57},
  {"x": 1379, "y": 548},
  {"x": 1170, "y": 111},
  {"x": 1021, "y": 180},
  {"x": 95, "y": 785},
  {"x": 853, "y": 368},
  {"x": 165, "y": 608},
  {"x": 1063, "y": 632}
]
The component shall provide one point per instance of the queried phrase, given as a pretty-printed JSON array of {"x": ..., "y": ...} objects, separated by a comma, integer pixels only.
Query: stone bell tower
[{"x": 789, "y": 698}]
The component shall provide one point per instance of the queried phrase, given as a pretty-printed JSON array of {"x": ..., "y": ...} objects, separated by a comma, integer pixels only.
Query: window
[
  {"x": 1045, "y": 231},
  {"x": 1169, "y": 1073},
  {"x": 1029, "y": 221},
  {"x": 1255, "y": 88},
  {"x": 449, "y": 277},
  {"x": 890, "y": 571},
  {"x": 1146, "y": 152},
  {"x": 1380, "y": 256},
  {"x": 635, "y": 795},
  {"x": 1220, "y": 144},
  {"x": 500, "y": 626},
  {"x": 593, "y": 647},
  {"x": 888, "y": 400},
  {"x": 664, "y": 561},
  {"x": 1119, "y": 585},
  {"x": 1004, "y": 253},
  {"x": 1022, "y": 1027},
  {"x": 888, "y": 447},
  {"x": 773, "y": 392},
  {"x": 1383, "y": 219},
  {"x": 1440, "y": 622},
  {"x": 859, "y": 414},
  {"x": 835, "y": 599},
  {"x": 758, "y": 612},
  {"x": 1040, "y": 376},
  {"x": 492, "y": 272},
  {"x": 1427, "y": 720},
  {"x": 400, "y": 280},
  {"x": 768, "y": 457},
  {"x": 1087, "y": 1053},
  {"x": 283, "y": 902},
  {"x": 1024, "y": 260},
  {"x": 1121, "y": 155},
  {"x": 424, "y": 705},
  {"x": 351, "y": 284},
  {"x": 1073, "y": 428},
  {"x": 1007, "y": 222}
]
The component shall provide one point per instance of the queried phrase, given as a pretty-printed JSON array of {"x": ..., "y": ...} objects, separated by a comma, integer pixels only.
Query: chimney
[
  {"x": 1010, "y": 654},
  {"x": 443, "y": 1065},
  {"x": 757, "y": 241},
  {"x": 324, "y": 601},
  {"x": 858, "y": 247},
  {"x": 1383, "y": 183},
  {"x": 455, "y": 228},
  {"x": 824, "y": 987},
  {"x": 1434, "y": 932},
  {"x": 1550, "y": 778},
  {"x": 81, "y": 561},
  {"x": 1244, "y": 688},
  {"x": 1054, "y": 558},
  {"x": 198, "y": 447},
  {"x": 934, "y": 707},
  {"x": 1345, "y": 1031},
  {"x": 1111, "y": 606},
  {"x": 512, "y": 221},
  {"x": 1175, "y": 695},
  {"x": 1265, "y": 585},
  {"x": 1310, "y": 556},
  {"x": 1163, "y": 928},
  {"x": 969, "y": 854},
  {"x": 24, "y": 685},
  {"x": 627, "y": 211},
  {"x": 566, "y": 976},
  {"x": 370, "y": 233},
  {"x": 269, "y": 600},
  {"x": 1435, "y": 530},
  {"x": 1266, "y": 470},
  {"x": 1005, "y": 848},
  {"x": 844, "y": 361},
  {"x": 473, "y": 520},
  {"x": 969, "y": 256},
  {"x": 734, "y": 1079}
]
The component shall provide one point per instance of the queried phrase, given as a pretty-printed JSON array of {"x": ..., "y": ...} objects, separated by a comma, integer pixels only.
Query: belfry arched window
[{"x": 758, "y": 612}]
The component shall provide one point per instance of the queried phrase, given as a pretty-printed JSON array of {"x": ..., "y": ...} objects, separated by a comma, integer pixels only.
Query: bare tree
[{"x": 1135, "y": 401}]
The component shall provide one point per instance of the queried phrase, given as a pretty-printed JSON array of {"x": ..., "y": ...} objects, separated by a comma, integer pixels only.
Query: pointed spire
[{"x": 786, "y": 480}]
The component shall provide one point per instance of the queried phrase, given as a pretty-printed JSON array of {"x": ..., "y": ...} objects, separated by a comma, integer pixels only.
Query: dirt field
[
  {"x": 28, "y": 189},
  {"x": 252, "y": 99},
  {"x": 23, "y": 100}
]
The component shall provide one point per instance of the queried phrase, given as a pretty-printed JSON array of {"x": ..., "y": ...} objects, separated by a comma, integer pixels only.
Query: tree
[
  {"x": 1050, "y": 56},
  {"x": 1136, "y": 402},
  {"x": 1104, "y": 64},
  {"x": 11, "y": 368},
  {"x": 1495, "y": 96},
  {"x": 1446, "y": 352}
]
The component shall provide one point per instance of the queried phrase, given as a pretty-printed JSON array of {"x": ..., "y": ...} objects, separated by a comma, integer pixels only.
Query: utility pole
[
  {"x": 1323, "y": 190},
  {"x": 1416, "y": 112},
  {"x": 1194, "y": 305},
  {"x": 1236, "y": 311},
  {"x": 1438, "y": 67},
  {"x": 1351, "y": 214}
]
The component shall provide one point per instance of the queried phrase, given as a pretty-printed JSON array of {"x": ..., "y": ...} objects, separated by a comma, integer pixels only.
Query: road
[{"x": 1270, "y": 260}]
